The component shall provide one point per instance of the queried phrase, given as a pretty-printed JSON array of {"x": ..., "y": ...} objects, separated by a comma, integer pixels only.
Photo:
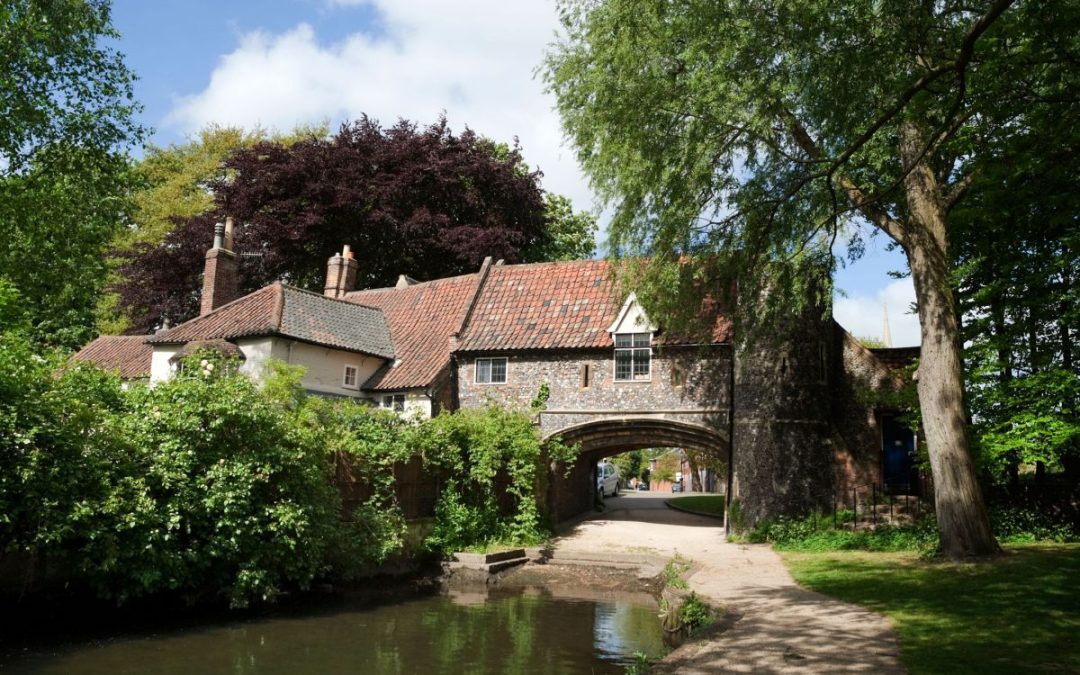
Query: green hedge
[{"x": 209, "y": 486}]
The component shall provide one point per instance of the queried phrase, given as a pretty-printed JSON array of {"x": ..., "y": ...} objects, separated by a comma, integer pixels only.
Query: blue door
[{"x": 899, "y": 474}]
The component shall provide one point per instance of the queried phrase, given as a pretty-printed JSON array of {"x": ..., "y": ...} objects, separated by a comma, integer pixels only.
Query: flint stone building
[{"x": 792, "y": 416}]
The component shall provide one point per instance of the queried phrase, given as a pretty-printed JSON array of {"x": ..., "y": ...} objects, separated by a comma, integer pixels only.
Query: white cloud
[
  {"x": 475, "y": 59},
  {"x": 863, "y": 315}
]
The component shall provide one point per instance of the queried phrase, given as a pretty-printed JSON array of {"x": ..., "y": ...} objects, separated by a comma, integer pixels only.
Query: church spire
[{"x": 886, "y": 336}]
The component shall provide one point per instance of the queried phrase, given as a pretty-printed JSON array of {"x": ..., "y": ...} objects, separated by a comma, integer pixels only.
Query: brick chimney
[
  {"x": 221, "y": 282},
  {"x": 340, "y": 274}
]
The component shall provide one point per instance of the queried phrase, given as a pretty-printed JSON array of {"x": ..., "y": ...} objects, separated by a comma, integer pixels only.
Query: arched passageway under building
[{"x": 574, "y": 493}]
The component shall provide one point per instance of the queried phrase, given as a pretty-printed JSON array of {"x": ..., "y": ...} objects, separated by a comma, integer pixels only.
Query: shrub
[
  {"x": 1024, "y": 525},
  {"x": 486, "y": 451},
  {"x": 694, "y": 613},
  {"x": 234, "y": 497},
  {"x": 674, "y": 570},
  {"x": 1010, "y": 525},
  {"x": 818, "y": 534}
]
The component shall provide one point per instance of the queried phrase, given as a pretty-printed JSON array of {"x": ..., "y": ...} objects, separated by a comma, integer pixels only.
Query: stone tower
[{"x": 782, "y": 455}]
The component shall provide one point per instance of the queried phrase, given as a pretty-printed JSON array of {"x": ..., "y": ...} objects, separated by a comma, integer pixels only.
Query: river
[{"x": 462, "y": 631}]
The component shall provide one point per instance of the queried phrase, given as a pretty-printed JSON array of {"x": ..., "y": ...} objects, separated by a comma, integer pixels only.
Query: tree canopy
[
  {"x": 755, "y": 133},
  {"x": 416, "y": 200},
  {"x": 66, "y": 117}
]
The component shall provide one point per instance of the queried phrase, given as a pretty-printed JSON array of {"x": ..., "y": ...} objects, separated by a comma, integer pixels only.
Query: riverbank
[{"x": 771, "y": 624}]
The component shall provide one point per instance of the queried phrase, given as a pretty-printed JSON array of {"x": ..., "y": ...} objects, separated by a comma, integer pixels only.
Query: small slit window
[
  {"x": 491, "y": 371},
  {"x": 678, "y": 375},
  {"x": 633, "y": 356},
  {"x": 585, "y": 375},
  {"x": 350, "y": 379}
]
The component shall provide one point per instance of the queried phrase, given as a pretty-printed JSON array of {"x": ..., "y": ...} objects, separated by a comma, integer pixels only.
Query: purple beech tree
[{"x": 419, "y": 201}]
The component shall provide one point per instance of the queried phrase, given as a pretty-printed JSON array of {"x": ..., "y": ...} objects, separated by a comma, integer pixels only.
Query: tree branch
[{"x": 958, "y": 190}]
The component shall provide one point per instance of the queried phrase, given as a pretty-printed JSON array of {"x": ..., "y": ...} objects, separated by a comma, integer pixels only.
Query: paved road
[{"x": 778, "y": 627}]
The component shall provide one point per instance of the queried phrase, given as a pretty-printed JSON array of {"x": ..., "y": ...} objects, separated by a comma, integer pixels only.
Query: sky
[{"x": 279, "y": 63}]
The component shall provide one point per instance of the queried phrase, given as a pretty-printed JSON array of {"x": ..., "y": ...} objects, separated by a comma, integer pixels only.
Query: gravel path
[{"x": 775, "y": 626}]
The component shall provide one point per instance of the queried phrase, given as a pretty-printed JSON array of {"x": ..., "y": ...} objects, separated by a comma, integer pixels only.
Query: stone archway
[{"x": 573, "y": 494}]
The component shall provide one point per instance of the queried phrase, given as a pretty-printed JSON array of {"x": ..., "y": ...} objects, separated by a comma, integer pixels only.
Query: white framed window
[
  {"x": 633, "y": 357},
  {"x": 350, "y": 380},
  {"x": 491, "y": 371},
  {"x": 395, "y": 402}
]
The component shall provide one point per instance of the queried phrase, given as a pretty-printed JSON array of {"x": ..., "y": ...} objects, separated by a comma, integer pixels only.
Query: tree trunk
[
  {"x": 695, "y": 473},
  {"x": 961, "y": 510}
]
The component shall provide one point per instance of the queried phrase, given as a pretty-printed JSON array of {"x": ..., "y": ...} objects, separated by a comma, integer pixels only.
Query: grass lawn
[
  {"x": 1018, "y": 613},
  {"x": 706, "y": 505}
]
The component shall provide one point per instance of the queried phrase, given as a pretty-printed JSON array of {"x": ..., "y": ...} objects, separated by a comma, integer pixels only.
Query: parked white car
[{"x": 607, "y": 479}]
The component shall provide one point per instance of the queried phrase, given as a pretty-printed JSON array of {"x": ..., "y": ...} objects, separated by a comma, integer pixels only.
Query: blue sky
[{"x": 276, "y": 63}]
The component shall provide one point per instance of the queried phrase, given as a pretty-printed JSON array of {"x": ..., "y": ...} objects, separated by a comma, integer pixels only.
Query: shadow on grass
[{"x": 1020, "y": 612}]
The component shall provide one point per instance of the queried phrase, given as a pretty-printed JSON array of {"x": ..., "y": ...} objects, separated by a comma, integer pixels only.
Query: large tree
[
  {"x": 413, "y": 200},
  {"x": 1018, "y": 262},
  {"x": 66, "y": 117},
  {"x": 173, "y": 183},
  {"x": 758, "y": 129}
]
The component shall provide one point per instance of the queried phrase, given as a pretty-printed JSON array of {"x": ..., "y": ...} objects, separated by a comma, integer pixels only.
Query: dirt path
[{"x": 776, "y": 626}]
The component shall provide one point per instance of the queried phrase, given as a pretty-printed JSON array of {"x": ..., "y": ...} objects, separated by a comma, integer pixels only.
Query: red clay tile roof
[
  {"x": 422, "y": 318},
  {"x": 278, "y": 309},
  {"x": 561, "y": 305},
  {"x": 129, "y": 355},
  {"x": 543, "y": 306}
]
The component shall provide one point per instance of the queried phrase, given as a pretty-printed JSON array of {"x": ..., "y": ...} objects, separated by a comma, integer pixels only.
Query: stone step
[
  {"x": 488, "y": 558},
  {"x": 492, "y": 563}
]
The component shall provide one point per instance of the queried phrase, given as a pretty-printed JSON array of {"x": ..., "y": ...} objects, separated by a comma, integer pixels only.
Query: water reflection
[{"x": 519, "y": 631}]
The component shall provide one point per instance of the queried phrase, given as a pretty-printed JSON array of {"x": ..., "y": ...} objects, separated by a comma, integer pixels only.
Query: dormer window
[
  {"x": 632, "y": 333},
  {"x": 633, "y": 356}
]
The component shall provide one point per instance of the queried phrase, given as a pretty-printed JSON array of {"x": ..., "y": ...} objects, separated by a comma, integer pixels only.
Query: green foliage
[
  {"x": 204, "y": 486},
  {"x": 735, "y": 515},
  {"x": 641, "y": 664},
  {"x": 1028, "y": 419},
  {"x": 1026, "y": 526},
  {"x": 694, "y": 613},
  {"x": 666, "y": 466},
  {"x": 674, "y": 571},
  {"x": 66, "y": 113},
  {"x": 539, "y": 401},
  {"x": 817, "y": 533},
  {"x": 570, "y": 236},
  {"x": 630, "y": 464},
  {"x": 487, "y": 451}
]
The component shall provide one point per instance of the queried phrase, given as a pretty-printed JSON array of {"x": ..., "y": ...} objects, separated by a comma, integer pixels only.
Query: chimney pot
[{"x": 229, "y": 232}]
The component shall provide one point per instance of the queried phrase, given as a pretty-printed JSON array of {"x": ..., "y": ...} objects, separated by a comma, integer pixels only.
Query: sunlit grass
[
  {"x": 706, "y": 505},
  {"x": 1020, "y": 612}
]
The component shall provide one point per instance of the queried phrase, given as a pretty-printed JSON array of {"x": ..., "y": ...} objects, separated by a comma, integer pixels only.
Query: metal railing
[{"x": 867, "y": 502}]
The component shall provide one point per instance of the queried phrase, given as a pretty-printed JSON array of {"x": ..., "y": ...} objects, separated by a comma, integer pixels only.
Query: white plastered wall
[
  {"x": 325, "y": 367},
  {"x": 160, "y": 368},
  {"x": 417, "y": 402}
]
